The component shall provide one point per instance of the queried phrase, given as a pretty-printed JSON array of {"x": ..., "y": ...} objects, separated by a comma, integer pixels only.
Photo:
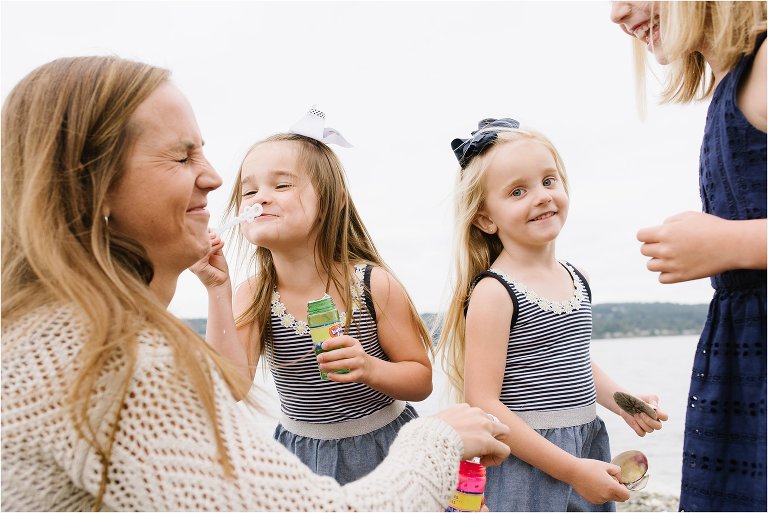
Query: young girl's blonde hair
[
  {"x": 67, "y": 130},
  {"x": 342, "y": 239},
  {"x": 474, "y": 250},
  {"x": 726, "y": 29}
]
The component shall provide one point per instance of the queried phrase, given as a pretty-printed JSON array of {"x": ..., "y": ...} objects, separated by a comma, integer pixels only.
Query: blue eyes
[{"x": 520, "y": 191}]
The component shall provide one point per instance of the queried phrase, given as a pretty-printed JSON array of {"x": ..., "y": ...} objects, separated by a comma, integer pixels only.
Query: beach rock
[{"x": 649, "y": 501}]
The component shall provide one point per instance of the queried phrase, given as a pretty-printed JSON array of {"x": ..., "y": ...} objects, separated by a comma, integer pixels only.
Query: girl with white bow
[{"x": 310, "y": 241}]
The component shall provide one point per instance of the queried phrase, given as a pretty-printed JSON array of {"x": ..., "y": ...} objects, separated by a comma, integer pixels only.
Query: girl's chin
[{"x": 658, "y": 54}]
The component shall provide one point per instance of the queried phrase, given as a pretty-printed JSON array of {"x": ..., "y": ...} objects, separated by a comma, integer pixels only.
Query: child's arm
[
  {"x": 244, "y": 297},
  {"x": 220, "y": 332},
  {"x": 640, "y": 422},
  {"x": 487, "y": 335},
  {"x": 694, "y": 245},
  {"x": 408, "y": 374}
]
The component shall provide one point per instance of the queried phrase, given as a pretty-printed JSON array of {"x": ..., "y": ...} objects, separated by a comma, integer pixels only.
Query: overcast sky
[{"x": 400, "y": 80}]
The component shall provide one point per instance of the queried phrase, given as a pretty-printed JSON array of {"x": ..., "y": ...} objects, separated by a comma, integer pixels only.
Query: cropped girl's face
[
  {"x": 525, "y": 201},
  {"x": 641, "y": 21},
  {"x": 272, "y": 177}
]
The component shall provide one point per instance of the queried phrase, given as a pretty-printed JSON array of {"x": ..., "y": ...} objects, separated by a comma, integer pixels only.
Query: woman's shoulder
[
  {"x": 752, "y": 95},
  {"x": 53, "y": 322},
  {"x": 58, "y": 330}
]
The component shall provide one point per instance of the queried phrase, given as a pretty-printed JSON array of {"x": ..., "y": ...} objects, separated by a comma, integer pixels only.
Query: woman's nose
[
  {"x": 208, "y": 179},
  {"x": 620, "y": 11}
]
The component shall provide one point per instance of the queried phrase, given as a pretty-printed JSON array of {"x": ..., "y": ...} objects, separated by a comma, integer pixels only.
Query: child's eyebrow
[
  {"x": 281, "y": 173},
  {"x": 511, "y": 184},
  {"x": 277, "y": 173}
]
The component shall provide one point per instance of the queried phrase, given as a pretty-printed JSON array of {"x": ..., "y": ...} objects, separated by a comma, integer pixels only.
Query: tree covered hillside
[{"x": 611, "y": 320}]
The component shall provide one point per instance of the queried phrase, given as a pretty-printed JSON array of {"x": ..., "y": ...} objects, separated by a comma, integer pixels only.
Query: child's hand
[
  {"x": 212, "y": 269},
  {"x": 598, "y": 481},
  {"x": 686, "y": 247},
  {"x": 641, "y": 423},
  {"x": 348, "y": 354}
]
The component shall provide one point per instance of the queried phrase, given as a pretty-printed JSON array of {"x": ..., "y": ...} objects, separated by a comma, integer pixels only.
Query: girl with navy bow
[{"x": 518, "y": 329}]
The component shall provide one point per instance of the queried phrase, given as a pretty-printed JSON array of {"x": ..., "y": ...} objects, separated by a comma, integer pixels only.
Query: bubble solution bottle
[
  {"x": 468, "y": 495},
  {"x": 324, "y": 323}
]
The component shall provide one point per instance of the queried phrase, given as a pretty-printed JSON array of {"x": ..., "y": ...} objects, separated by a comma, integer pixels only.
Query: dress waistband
[
  {"x": 346, "y": 429},
  {"x": 739, "y": 279},
  {"x": 550, "y": 419}
]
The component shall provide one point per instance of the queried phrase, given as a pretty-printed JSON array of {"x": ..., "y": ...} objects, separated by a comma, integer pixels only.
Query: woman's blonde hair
[
  {"x": 342, "y": 239},
  {"x": 726, "y": 29},
  {"x": 66, "y": 132},
  {"x": 474, "y": 250}
]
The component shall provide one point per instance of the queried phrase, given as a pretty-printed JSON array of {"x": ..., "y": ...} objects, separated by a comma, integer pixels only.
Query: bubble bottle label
[
  {"x": 324, "y": 323},
  {"x": 468, "y": 495}
]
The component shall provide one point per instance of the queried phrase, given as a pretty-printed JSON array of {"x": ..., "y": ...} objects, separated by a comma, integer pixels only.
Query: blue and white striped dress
[
  {"x": 342, "y": 430},
  {"x": 548, "y": 382},
  {"x": 548, "y": 366}
]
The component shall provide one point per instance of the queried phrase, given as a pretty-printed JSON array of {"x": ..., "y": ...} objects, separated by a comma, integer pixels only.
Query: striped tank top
[
  {"x": 291, "y": 358},
  {"x": 548, "y": 364}
]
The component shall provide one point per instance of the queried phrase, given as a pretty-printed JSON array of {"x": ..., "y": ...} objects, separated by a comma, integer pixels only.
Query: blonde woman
[
  {"x": 110, "y": 402},
  {"x": 717, "y": 50}
]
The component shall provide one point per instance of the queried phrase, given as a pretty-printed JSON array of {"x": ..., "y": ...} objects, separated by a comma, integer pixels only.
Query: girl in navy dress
[{"x": 717, "y": 50}]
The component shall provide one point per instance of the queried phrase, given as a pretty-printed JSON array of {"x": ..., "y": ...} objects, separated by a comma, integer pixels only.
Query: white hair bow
[{"x": 313, "y": 125}]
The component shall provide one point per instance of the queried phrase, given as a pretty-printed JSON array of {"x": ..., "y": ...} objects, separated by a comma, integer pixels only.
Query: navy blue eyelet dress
[{"x": 724, "y": 452}]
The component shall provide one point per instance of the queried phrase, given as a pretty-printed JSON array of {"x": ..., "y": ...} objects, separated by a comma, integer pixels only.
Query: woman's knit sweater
[{"x": 164, "y": 455}]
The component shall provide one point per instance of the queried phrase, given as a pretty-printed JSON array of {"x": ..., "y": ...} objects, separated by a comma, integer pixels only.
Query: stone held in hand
[{"x": 633, "y": 405}]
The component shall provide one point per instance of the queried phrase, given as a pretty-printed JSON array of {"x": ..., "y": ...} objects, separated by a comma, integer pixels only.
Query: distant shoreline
[{"x": 610, "y": 320}]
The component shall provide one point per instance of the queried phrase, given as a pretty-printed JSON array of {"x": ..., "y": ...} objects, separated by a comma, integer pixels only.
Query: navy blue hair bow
[{"x": 466, "y": 149}]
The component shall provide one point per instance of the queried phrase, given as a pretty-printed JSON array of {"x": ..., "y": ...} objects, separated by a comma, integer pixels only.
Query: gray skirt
[
  {"x": 344, "y": 459},
  {"x": 518, "y": 486}
]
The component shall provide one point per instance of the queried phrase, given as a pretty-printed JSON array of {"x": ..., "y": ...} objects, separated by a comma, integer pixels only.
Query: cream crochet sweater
[{"x": 164, "y": 455}]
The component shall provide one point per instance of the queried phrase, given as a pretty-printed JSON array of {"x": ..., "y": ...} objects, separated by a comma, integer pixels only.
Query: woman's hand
[
  {"x": 694, "y": 245},
  {"x": 212, "y": 269},
  {"x": 598, "y": 481},
  {"x": 479, "y": 432},
  {"x": 345, "y": 352},
  {"x": 641, "y": 423}
]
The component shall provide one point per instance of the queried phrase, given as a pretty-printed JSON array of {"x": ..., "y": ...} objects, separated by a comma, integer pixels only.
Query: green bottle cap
[{"x": 324, "y": 304}]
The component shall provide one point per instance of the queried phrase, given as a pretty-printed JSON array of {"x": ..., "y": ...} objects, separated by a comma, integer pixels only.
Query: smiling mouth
[
  {"x": 646, "y": 30},
  {"x": 546, "y": 215}
]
